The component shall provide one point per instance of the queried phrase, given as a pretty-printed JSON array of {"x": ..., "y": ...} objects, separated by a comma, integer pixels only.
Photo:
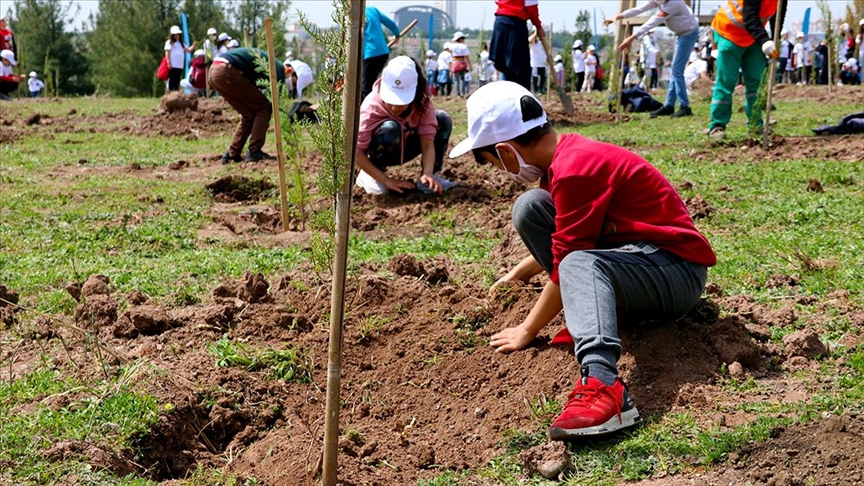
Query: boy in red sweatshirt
[{"x": 608, "y": 228}]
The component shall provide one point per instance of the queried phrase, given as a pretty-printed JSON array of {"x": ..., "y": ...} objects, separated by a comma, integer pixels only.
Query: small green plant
[
  {"x": 370, "y": 327},
  {"x": 542, "y": 407},
  {"x": 287, "y": 364}
]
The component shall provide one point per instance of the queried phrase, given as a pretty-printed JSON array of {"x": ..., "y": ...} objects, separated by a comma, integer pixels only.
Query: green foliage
[
  {"x": 127, "y": 40},
  {"x": 48, "y": 48},
  {"x": 248, "y": 16},
  {"x": 203, "y": 14},
  {"x": 288, "y": 364}
]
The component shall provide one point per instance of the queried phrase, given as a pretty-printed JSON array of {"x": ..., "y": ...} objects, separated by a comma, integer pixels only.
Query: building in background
[
  {"x": 441, "y": 20},
  {"x": 449, "y": 8}
]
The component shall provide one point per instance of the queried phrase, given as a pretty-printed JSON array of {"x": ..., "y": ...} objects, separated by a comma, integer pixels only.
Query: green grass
[{"x": 287, "y": 364}]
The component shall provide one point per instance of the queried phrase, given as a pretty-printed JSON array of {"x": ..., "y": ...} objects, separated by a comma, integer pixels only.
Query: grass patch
[{"x": 287, "y": 364}]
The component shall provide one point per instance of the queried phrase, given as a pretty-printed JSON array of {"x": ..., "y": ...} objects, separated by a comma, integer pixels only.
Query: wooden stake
[
  {"x": 350, "y": 115},
  {"x": 766, "y": 126},
  {"x": 549, "y": 75},
  {"x": 277, "y": 119}
]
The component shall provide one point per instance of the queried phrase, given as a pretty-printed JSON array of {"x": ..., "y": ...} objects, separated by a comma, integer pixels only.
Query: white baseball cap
[
  {"x": 430, "y": 53},
  {"x": 861, "y": 22},
  {"x": 458, "y": 35},
  {"x": 234, "y": 43},
  {"x": 446, "y": 46},
  {"x": 33, "y": 74},
  {"x": 211, "y": 31},
  {"x": 557, "y": 58},
  {"x": 289, "y": 54},
  {"x": 223, "y": 37},
  {"x": 577, "y": 43},
  {"x": 199, "y": 53},
  {"x": 590, "y": 48},
  {"x": 800, "y": 35},
  {"x": 399, "y": 81},
  {"x": 9, "y": 56},
  {"x": 175, "y": 30},
  {"x": 495, "y": 115},
  {"x": 304, "y": 75}
]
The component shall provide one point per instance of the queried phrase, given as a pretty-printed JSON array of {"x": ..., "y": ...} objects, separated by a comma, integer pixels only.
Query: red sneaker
[{"x": 595, "y": 409}]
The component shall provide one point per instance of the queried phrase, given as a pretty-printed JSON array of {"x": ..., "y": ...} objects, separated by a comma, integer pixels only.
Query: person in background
[
  {"x": 222, "y": 43},
  {"x": 233, "y": 44},
  {"x": 820, "y": 62},
  {"x": 590, "y": 69},
  {"x": 578, "y": 64},
  {"x": 432, "y": 72},
  {"x": 7, "y": 38},
  {"x": 680, "y": 20},
  {"x": 559, "y": 70},
  {"x": 508, "y": 48},
  {"x": 849, "y": 70},
  {"x": 707, "y": 54},
  {"x": 742, "y": 45},
  {"x": 175, "y": 53},
  {"x": 375, "y": 50},
  {"x": 652, "y": 55},
  {"x": 461, "y": 63},
  {"x": 35, "y": 84},
  {"x": 445, "y": 81},
  {"x": 8, "y": 79},
  {"x": 298, "y": 75},
  {"x": 785, "y": 51},
  {"x": 468, "y": 80},
  {"x": 485, "y": 67},
  {"x": 235, "y": 75},
  {"x": 859, "y": 40},
  {"x": 399, "y": 122},
  {"x": 538, "y": 64},
  {"x": 209, "y": 46},
  {"x": 289, "y": 56},
  {"x": 802, "y": 58},
  {"x": 697, "y": 69},
  {"x": 196, "y": 81}
]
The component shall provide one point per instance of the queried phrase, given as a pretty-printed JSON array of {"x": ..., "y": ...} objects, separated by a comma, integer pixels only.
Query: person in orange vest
[{"x": 742, "y": 43}]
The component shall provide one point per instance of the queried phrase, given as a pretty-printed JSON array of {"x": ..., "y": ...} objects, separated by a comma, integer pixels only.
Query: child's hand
[
  {"x": 505, "y": 281},
  {"x": 430, "y": 181},
  {"x": 511, "y": 339},
  {"x": 397, "y": 185}
]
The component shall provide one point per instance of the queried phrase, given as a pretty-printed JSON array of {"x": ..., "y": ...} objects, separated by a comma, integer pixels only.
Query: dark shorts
[{"x": 508, "y": 48}]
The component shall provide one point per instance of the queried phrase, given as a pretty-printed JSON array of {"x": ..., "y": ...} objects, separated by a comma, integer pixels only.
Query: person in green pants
[{"x": 742, "y": 43}]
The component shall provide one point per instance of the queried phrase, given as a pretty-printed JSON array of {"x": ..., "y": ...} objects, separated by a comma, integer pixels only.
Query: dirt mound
[
  {"x": 8, "y": 305},
  {"x": 698, "y": 207},
  {"x": 850, "y": 95},
  {"x": 434, "y": 270},
  {"x": 93, "y": 455},
  {"x": 176, "y": 101},
  {"x": 240, "y": 188},
  {"x": 845, "y": 148},
  {"x": 251, "y": 288},
  {"x": 250, "y": 220}
]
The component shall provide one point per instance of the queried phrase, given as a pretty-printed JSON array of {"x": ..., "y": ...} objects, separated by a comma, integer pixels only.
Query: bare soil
[{"x": 421, "y": 389}]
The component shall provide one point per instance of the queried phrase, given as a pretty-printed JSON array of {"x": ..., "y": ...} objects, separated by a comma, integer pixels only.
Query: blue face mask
[{"x": 528, "y": 174}]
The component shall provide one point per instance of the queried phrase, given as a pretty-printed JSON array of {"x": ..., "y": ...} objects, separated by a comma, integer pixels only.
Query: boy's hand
[
  {"x": 398, "y": 185},
  {"x": 505, "y": 281},
  {"x": 430, "y": 181},
  {"x": 511, "y": 339}
]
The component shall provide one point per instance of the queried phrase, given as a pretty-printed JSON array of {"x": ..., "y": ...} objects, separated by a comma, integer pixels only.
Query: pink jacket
[{"x": 373, "y": 113}]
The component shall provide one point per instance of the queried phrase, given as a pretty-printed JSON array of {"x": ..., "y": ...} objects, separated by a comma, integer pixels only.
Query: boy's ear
[{"x": 507, "y": 157}]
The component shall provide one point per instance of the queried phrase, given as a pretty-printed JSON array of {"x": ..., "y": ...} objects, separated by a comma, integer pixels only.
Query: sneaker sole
[{"x": 629, "y": 418}]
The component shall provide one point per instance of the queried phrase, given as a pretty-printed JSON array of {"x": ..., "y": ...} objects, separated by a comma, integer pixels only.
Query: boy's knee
[
  {"x": 578, "y": 263},
  {"x": 528, "y": 206}
]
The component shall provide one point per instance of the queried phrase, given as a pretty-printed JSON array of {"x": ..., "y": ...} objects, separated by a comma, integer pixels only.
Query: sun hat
[
  {"x": 577, "y": 43},
  {"x": 458, "y": 35},
  {"x": 800, "y": 35},
  {"x": 289, "y": 54},
  {"x": 9, "y": 56},
  {"x": 175, "y": 30},
  {"x": 495, "y": 115},
  {"x": 233, "y": 43},
  {"x": 861, "y": 22},
  {"x": 399, "y": 81},
  {"x": 211, "y": 31},
  {"x": 304, "y": 75},
  {"x": 430, "y": 53},
  {"x": 590, "y": 48},
  {"x": 223, "y": 37},
  {"x": 199, "y": 53},
  {"x": 33, "y": 74},
  {"x": 557, "y": 58}
]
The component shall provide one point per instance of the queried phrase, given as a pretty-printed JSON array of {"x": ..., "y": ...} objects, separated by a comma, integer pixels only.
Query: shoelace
[{"x": 585, "y": 395}]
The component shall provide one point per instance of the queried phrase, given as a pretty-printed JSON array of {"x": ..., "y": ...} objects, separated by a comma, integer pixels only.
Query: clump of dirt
[
  {"x": 780, "y": 280},
  {"x": 551, "y": 460},
  {"x": 433, "y": 270},
  {"x": 95, "y": 285},
  {"x": 814, "y": 186},
  {"x": 33, "y": 119},
  {"x": 8, "y": 305},
  {"x": 239, "y": 188},
  {"x": 97, "y": 309},
  {"x": 92, "y": 454},
  {"x": 805, "y": 343},
  {"x": 252, "y": 288},
  {"x": 180, "y": 164},
  {"x": 176, "y": 101},
  {"x": 145, "y": 319},
  {"x": 698, "y": 207},
  {"x": 252, "y": 220}
]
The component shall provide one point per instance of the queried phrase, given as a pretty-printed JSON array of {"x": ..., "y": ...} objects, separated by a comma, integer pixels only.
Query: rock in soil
[
  {"x": 405, "y": 265},
  {"x": 549, "y": 460},
  {"x": 177, "y": 101}
]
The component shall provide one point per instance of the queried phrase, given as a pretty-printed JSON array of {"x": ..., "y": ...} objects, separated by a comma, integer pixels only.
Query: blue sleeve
[{"x": 390, "y": 24}]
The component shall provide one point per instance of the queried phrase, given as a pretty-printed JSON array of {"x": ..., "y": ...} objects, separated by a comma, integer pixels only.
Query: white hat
[
  {"x": 844, "y": 27},
  {"x": 304, "y": 75},
  {"x": 175, "y": 30},
  {"x": 557, "y": 58},
  {"x": 577, "y": 43},
  {"x": 233, "y": 43},
  {"x": 458, "y": 35},
  {"x": 861, "y": 22},
  {"x": 430, "y": 53},
  {"x": 399, "y": 81},
  {"x": 800, "y": 35},
  {"x": 693, "y": 57},
  {"x": 495, "y": 115},
  {"x": 785, "y": 32},
  {"x": 289, "y": 55},
  {"x": 446, "y": 46},
  {"x": 9, "y": 56},
  {"x": 590, "y": 48},
  {"x": 223, "y": 37},
  {"x": 211, "y": 31},
  {"x": 199, "y": 53},
  {"x": 33, "y": 74}
]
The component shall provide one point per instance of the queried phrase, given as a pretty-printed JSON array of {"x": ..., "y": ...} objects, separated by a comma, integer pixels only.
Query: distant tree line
[{"x": 120, "y": 46}]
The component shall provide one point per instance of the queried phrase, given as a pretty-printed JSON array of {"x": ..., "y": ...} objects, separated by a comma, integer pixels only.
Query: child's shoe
[{"x": 594, "y": 409}]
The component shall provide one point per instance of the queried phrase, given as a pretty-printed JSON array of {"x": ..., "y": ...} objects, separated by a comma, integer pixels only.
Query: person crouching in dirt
[
  {"x": 398, "y": 122},
  {"x": 300, "y": 76},
  {"x": 234, "y": 75},
  {"x": 8, "y": 79},
  {"x": 608, "y": 228}
]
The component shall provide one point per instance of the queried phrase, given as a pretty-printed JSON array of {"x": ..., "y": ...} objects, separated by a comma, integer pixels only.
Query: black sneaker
[
  {"x": 663, "y": 111},
  {"x": 258, "y": 155},
  {"x": 228, "y": 158},
  {"x": 683, "y": 111}
]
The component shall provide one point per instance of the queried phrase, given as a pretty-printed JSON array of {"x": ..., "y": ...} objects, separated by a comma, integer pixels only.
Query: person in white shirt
[
  {"x": 461, "y": 63},
  {"x": 783, "y": 59},
  {"x": 538, "y": 64},
  {"x": 35, "y": 85},
  {"x": 485, "y": 68},
  {"x": 578, "y": 64},
  {"x": 210, "y": 45},
  {"x": 431, "y": 71},
  {"x": 559, "y": 70},
  {"x": 697, "y": 69},
  {"x": 222, "y": 43},
  {"x": 175, "y": 53},
  {"x": 801, "y": 58},
  {"x": 650, "y": 51},
  {"x": 590, "y": 70},
  {"x": 849, "y": 71},
  {"x": 445, "y": 82}
]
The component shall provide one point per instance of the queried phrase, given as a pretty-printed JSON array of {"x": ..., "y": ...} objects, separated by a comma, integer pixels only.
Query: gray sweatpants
[{"x": 634, "y": 282}]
